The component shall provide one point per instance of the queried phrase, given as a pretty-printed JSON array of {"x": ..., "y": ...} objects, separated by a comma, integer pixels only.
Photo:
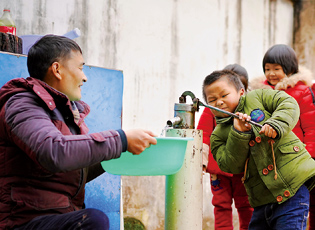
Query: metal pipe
[
  {"x": 229, "y": 113},
  {"x": 174, "y": 121}
]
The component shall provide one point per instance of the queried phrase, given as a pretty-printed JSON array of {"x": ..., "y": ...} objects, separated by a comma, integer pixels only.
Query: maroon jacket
[{"x": 45, "y": 157}]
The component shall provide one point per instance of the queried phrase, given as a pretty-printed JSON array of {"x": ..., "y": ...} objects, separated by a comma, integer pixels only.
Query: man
[{"x": 45, "y": 151}]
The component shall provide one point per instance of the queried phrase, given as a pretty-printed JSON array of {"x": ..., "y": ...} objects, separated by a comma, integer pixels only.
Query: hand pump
[{"x": 183, "y": 194}]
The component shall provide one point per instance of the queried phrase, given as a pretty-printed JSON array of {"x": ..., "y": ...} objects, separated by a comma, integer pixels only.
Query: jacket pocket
[
  {"x": 292, "y": 147},
  {"x": 39, "y": 199}
]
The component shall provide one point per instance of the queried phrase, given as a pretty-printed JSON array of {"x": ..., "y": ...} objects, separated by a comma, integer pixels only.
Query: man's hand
[
  {"x": 241, "y": 124},
  {"x": 138, "y": 140},
  {"x": 268, "y": 131}
]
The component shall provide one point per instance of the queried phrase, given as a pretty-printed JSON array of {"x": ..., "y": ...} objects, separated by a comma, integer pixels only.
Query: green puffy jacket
[{"x": 293, "y": 163}]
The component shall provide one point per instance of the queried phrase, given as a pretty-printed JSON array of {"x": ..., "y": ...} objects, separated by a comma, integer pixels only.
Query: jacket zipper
[{"x": 79, "y": 187}]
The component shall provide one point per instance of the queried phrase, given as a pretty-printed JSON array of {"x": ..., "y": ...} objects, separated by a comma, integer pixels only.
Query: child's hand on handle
[
  {"x": 241, "y": 124},
  {"x": 138, "y": 140},
  {"x": 268, "y": 131}
]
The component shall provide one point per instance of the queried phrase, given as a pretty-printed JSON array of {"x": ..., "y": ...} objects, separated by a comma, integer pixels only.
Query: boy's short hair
[
  {"x": 231, "y": 76},
  {"x": 47, "y": 50},
  {"x": 283, "y": 55},
  {"x": 241, "y": 71}
]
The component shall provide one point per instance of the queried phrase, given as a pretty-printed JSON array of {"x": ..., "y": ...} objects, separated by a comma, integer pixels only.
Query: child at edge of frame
[
  {"x": 282, "y": 71},
  {"x": 278, "y": 170},
  {"x": 226, "y": 188}
]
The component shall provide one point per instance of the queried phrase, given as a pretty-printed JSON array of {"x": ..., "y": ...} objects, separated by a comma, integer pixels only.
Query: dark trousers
[
  {"x": 83, "y": 219},
  {"x": 289, "y": 215},
  {"x": 312, "y": 210}
]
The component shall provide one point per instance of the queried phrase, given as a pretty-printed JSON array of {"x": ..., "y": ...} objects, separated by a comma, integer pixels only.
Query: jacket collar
[
  {"x": 304, "y": 75},
  {"x": 49, "y": 95}
]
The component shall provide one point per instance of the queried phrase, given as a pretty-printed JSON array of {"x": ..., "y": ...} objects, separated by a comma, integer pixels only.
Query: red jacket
[
  {"x": 207, "y": 124},
  {"x": 298, "y": 86},
  {"x": 43, "y": 165}
]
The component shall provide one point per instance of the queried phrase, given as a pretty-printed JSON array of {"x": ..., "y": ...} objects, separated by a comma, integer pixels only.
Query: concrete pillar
[{"x": 183, "y": 190}]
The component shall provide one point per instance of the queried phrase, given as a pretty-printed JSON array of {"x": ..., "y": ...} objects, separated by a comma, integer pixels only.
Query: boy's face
[
  {"x": 274, "y": 73},
  {"x": 223, "y": 95}
]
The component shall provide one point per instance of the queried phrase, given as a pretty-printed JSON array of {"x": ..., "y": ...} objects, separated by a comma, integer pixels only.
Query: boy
[
  {"x": 278, "y": 170},
  {"x": 226, "y": 188}
]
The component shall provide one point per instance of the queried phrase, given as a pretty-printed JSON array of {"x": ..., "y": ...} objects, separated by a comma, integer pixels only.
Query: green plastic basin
[{"x": 164, "y": 158}]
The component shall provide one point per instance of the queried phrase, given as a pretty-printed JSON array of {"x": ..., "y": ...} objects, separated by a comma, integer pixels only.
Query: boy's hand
[
  {"x": 241, "y": 124},
  {"x": 268, "y": 131}
]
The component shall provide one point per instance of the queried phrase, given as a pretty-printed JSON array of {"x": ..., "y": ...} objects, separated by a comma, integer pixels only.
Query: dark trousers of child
[
  {"x": 82, "y": 219},
  {"x": 312, "y": 210},
  {"x": 289, "y": 215},
  {"x": 226, "y": 189}
]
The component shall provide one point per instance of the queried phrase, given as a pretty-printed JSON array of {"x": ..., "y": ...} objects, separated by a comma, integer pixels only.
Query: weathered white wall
[{"x": 164, "y": 48}]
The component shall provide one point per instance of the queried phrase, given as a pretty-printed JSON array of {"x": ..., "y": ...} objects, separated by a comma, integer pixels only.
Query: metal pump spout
[
  {"x": 184, "y": 117},
  {"x": 174, "y": 121}
]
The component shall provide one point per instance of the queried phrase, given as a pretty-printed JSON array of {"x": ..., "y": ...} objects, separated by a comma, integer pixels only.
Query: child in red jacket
[
  {"x": 282, "y": 72},
  {"x": 224, "y": 186}
]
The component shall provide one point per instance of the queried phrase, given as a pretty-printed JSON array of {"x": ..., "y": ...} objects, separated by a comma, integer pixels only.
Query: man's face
[
  {"x": 223, "y": 95},
  {"x": 72, "y": 76}
]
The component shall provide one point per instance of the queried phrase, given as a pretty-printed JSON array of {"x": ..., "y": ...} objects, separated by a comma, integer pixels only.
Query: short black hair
[
  {"x": 283, "y": 55},
  {"x": 47, "y": 50},
  {"x": 241, "y": 71},
  {"x": 231, "y": 76}
]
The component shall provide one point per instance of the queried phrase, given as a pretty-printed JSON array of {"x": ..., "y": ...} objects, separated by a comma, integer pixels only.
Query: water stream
[{"x": 163, "y": 133}]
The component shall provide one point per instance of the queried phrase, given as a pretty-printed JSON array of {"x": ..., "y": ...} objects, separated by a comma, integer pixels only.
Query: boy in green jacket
[{"x": 278, "y": 170}]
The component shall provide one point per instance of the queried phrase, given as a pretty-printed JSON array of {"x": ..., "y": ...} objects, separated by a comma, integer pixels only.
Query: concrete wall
[
  {"x": 164, "y": 48},
  {"x": 304, "y": 33}
]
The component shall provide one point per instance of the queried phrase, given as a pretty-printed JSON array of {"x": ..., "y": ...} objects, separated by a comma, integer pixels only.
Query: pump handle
[
  {"x": 182, "y": 99},
  {"x": 226, "y": 112}
]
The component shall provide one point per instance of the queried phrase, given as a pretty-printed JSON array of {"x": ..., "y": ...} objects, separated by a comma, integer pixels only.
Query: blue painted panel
[
  {"x": 12, "y": 66},
  {"x": 103, "y": 92}
]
